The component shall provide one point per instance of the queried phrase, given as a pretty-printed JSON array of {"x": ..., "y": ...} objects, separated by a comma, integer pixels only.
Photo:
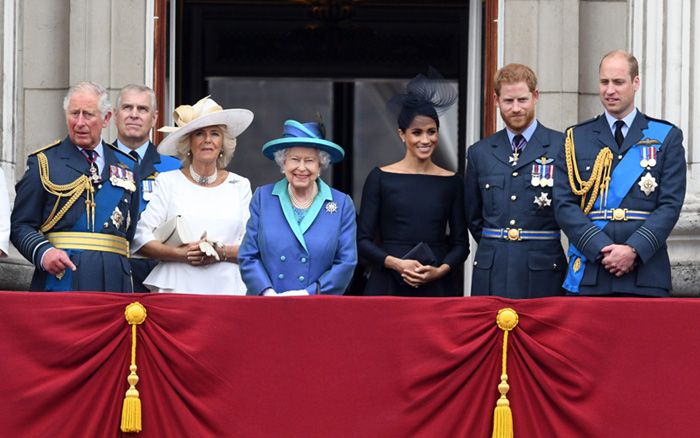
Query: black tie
[
  {"x": 135, "y": 155},
  {"x": 619, "y": 138}
]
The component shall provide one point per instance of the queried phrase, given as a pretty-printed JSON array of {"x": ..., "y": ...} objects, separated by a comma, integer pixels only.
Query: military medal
[
  {"x": 331, "y": 207},
  {"x": 647, "y": 184},
  {"x": 648, "y": 156},
  {"x": 543, "y": 200},
  {"x": 147, "y": 189},
  {"x": 122, "y": 177},
  {"x": 513, "y": 159},
  {"x": 94, "y": 174},
  {"x": 543, "y": 173}
]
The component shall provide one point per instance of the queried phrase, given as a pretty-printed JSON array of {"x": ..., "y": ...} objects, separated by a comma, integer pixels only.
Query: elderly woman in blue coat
[{"x": 300, "y": 238}]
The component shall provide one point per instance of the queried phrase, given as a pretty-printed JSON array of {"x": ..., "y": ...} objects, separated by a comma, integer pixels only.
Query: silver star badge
[
  {"x": 543, "y": 200},
  {"x": 647, "y": 184}
]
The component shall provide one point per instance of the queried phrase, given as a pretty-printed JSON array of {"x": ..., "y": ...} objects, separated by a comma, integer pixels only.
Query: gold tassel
[
  {"x": 135, "y": 314},
  {"x": 506, "y": 320}
]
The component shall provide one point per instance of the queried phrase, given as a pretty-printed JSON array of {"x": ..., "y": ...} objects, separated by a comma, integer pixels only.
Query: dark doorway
[{"x": 342, "y": 59}]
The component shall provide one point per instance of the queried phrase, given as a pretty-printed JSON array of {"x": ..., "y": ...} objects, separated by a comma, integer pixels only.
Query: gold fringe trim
[
  {"x": 507, "y": 320},
  {"x": 135, "y": 314}
]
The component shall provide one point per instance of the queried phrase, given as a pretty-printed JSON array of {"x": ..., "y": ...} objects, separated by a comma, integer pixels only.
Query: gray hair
[
  {"x": 139, "y": 89},
  {"x": 103, "y": 105},
  {"x": 229, "y": 147},
  {"x": 324, "y": 158}
]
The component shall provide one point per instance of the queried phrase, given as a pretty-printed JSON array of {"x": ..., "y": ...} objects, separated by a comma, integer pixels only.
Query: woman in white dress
[{"x": 212, "y": 202}]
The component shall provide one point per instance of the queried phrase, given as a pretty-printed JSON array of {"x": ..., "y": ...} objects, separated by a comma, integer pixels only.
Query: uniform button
[
  {"x": 487, "y": 186},
  {"x": 475, "y": 263},
  {"x": 106, "y": 225},
  {"x": 303, "y": 259},
  {"x": 588, "y": 167},
  {"x": 513, "y": 197},
  {"x": 99, "y": 186},
  {"x": 515, "y": 173},
  {"x": 301, "y": 278},
  {"x": 554, "y": 266},
  {"x": 283, "y": 258},
  {"x": 619, "y": 157},
  {"x": 512, "y": 221},
  {"x": 281, "y": 276}
]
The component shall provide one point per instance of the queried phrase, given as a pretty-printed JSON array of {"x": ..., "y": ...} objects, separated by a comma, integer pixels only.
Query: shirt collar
[
  {"x": 628, "y": 119},
  {"x": 527, "y": 133},
  {"x": 141, "y": 150},
  {"x": 98, "y": 148}
]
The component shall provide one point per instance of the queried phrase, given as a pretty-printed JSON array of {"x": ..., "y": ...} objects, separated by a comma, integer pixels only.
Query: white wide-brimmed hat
[{"x": 204, "y": 113}]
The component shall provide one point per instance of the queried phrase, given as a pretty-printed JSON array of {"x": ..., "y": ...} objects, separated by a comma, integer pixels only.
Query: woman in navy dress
[{"x": 409, "y": 206}]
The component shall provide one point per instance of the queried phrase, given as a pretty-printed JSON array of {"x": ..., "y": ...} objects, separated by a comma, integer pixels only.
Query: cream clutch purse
[{"x": 174, "y": 232}]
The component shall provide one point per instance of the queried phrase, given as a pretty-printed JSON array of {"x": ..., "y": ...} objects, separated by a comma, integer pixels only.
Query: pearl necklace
[
  {"x": 203, "y": 180},
  {"x": 301, "y": 205}
]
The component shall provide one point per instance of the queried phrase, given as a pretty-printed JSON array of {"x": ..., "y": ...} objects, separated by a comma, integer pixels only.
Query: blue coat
[
  {"x": 318, "y": 255},
  {"x": 116, "y": 211},
  {"x": 652, "y": 276},
  {"x": 150, "y": 166},
  {"x": 499, "y": 195}
]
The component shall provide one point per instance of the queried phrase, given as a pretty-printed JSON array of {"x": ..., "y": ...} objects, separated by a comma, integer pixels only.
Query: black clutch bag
[{"x": 421, "y": 253}]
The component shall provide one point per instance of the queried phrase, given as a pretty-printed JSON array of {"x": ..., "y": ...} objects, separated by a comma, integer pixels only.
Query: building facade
[{"x": 47, "y": 46}]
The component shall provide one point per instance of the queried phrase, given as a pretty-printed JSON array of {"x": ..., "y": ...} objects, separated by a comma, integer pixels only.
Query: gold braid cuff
[
  {"x": 507, "y": 320},
  {"x": 72, "y": 191},
  {"x": 599, "y": 180}
]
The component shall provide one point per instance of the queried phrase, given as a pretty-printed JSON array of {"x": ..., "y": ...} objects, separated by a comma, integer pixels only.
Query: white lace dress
[{"x": 221, "y": 211}]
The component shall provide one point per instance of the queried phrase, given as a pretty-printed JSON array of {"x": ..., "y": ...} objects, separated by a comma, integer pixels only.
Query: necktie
[
  {"x": 518, "y": 143},
  {"x": 517, "y": 146},
  {"x": 91, "y": 157},
  {"x": 135, "y": 155},
  {"x": 619, "y": 138}
]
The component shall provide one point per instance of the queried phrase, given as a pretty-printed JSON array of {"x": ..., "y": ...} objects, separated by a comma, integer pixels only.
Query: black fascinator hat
[{"x": 426, "y": 95}]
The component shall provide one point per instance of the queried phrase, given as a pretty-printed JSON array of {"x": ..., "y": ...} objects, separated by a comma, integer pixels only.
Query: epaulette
[
  {"x": 48, "y": 146},
  {"x": 116, "y": 149},
  {"x": 586, "y": 122},
  {"x": 666, "y": 122}
]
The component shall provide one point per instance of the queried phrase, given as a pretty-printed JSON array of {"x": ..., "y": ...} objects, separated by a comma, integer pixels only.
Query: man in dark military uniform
[
  {"x": 77, "y": 202},
  {"x": 135, "y": 115},
  {"x": 620, "y": 184},
  {"x": 508, "y": 197}
]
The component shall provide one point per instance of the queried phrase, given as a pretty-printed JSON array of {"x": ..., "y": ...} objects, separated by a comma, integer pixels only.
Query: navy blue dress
[{"x": 400, "y": 210}]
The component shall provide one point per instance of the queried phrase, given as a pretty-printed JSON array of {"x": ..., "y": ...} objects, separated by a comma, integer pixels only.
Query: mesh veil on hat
[
  {"x": 424, "y": 92},
  {"x": 206, "y": 112}
]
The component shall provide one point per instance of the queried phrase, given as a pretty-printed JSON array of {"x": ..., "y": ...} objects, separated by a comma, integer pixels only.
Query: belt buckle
[
  {"x": 513, "y": 234},
  {"x": 619, "y": 214}
]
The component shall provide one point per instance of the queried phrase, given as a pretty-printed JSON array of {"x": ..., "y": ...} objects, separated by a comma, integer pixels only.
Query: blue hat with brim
[{"x": 305, "y": 135}]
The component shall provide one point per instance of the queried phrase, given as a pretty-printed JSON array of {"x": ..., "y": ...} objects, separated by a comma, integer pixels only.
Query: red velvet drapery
[{"x": 348, "y": 366}]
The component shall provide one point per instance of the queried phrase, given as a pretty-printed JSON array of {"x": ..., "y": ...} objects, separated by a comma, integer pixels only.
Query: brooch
[
  {"x": 647, "y": 184},
  {"x": 543, "y": 200},
  {"x": 331, "y": 207}
]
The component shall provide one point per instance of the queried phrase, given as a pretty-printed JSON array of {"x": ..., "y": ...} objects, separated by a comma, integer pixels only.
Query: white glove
[
  {"x": 293, "y": 293},
  {"x": 269, "y": 292}
]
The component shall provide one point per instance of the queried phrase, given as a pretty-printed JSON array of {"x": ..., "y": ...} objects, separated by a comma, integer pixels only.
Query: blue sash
[
  {"x": 106, "y": 199},
  {"x": 621, "y": 181}
]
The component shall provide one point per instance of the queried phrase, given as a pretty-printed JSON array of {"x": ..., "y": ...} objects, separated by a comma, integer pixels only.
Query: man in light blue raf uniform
[
  {"x": 620, "y": 184},
  {"x": 77, "y": 203},
  {"x": 508, "y": 197},
  {"x": 135, "y": 115}
]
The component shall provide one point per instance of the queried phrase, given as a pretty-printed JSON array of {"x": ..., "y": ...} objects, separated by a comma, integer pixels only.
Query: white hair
[
  {"x": 324, "y": 158},
  {"x": 103, "y": 105}
]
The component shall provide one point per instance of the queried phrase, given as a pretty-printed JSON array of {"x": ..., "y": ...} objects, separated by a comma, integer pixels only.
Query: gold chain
[
  {"x": 72, "y": 191},
  {"x": 599, "y": 180}
]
